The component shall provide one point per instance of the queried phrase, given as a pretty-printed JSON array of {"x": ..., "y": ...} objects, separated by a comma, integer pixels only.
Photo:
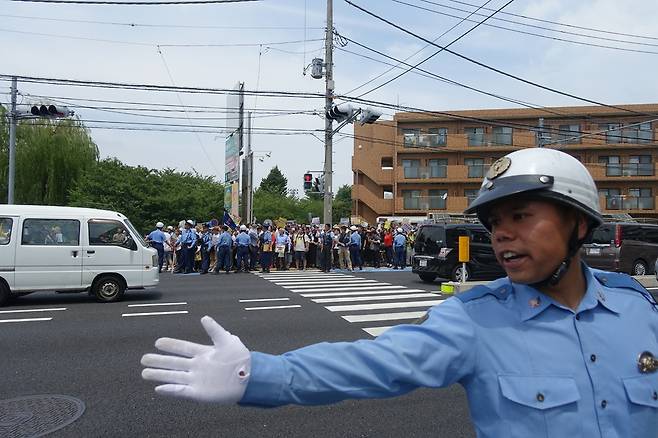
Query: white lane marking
[
  {"x": 52, "y": 309},
  {"x": 344, "y": 288},
  {"x": 155, "y": 313},
  {"x": 25, "y": 320},
  {"x": 383, "y": 316},
  {"x": 328, "y": 283},
  {"x": 299, "y": 279},
  {"x": 272, "y": 307},
  {"x": 376, "y": 331},
  {"x": 427, "y": 303},
  {"x": 367, "y": 292},
  {"x": 375, "y": 298},
  {"x": 290, "y": 273},
  {"x": 158, "y": 304},
  {"x": 263, "y": 299}
]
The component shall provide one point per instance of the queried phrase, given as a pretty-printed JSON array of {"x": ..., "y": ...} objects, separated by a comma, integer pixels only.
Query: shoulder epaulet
[
  {"x": 624, "y": 281},
  {"x": 499, "y": 289}
]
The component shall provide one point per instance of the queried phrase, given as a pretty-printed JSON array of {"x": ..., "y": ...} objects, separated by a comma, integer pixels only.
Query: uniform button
[
  {"x": 655, "y": 395},
  {"x": 604, "y": 403},
  {"x": 578, "y": 317},
  {"x": 540, "y": 397},
  {"x": 593, "y": 358}
]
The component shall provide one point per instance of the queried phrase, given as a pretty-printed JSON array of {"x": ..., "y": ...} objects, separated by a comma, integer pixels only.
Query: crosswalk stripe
[
  {"x": 326, "y": 283},
  {"x": 300, "y": 279},
  {"x": 25, "y": 320},
  {"x": 376, "y": 331},
  {"x": 178, "y": 312},
  {"x": 348, "y": 308},
  {"x": 366, "y": 292},
  {"x": 341, "y": 288},
  {"x": 51, "y": 309},
  {"x": 272, "y": 307},
  {"x": 383, "y": 316},
  {"x": 256, "y": 300},
  {"x": 289, "y": 272},
  {"x": 372, "y": 298}
]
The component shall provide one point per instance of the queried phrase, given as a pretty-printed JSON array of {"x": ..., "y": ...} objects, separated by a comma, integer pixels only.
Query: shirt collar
[{"x": 532, "y": 302}]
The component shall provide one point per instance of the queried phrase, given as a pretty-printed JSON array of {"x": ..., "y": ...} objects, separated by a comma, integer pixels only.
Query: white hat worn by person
[
  {"x": 190, "y": 221},
  {"x": 159, "y": 225},
  {"x": 399, "y": 230},
  {"x": 243, "y": 228},
  {"x": 353, "y": 228}
]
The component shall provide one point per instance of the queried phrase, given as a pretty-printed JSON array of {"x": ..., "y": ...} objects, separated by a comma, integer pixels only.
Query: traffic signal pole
[
  {"x": 329, "y": 92},
  {"x": 12, "y": 142}
]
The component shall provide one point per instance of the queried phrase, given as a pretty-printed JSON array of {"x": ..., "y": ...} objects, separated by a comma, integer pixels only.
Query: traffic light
[
  {"x": 341, "y": 112},
  {"x": 369, "y": 115},
  {"x": 44, "y": 110},
  {"x": 308, "y": 182}
]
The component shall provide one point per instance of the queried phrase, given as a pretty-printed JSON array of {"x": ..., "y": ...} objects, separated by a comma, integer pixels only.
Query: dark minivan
[
  {"x": 436, "y": 252},
  {"x": 628, "y": 247}
]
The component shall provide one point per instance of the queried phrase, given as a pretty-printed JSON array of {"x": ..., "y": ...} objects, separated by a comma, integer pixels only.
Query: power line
[
  {"x": 134, "y": 3},
  {"x": 573, "y": 26},
  {"x": 171, "y": 25},
  {"x": 603, "y": 46},
  {"x": 488, "y": 67},
  {"x": 440, "y": 50},
  {"x": 412, "y": 55}
]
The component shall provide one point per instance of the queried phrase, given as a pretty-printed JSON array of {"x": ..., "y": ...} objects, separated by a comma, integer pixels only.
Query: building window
[
  {"x": 438, "y": 168},
  {"x": 639, "y": 165},
  {"x": 502, "y": 136},
  {"x": 411, "y": 168},
  {"x": 437, "y": 199},
  {"x": 387, "y": 163},
  {"x": 612, "y": 132},
  {"x": 569, "y": 134},
  {"x": 639, "y": 199},
  {"x": 475, "y": 167},
  {"x": 410, "y": 136},
  {"x": 612, "y": 165},
  {"x": 388, "y": 192},
  {"x": 475, "y": 136},
  {"x": 612, "y": 198},
  {"x": 471, "y": 194},
  {"x": 638, "y": 133},
  {"x": 438, "y": 136},
  {"x": 411, "y": 199}
]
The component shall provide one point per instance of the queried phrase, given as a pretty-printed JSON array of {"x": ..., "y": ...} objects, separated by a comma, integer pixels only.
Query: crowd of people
[{"x": 204, "y": 248}]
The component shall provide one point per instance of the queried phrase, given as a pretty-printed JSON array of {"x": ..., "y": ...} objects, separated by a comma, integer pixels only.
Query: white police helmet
[
  {"x": 159, "y": 225},
  {"x": 546, "y": 173},
  {"x": 243, "y": 228},
  {"x": 399, "y": 230}
]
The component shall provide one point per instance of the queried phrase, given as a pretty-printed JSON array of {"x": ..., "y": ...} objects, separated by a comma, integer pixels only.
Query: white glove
[{"x": 210, "y": 373}]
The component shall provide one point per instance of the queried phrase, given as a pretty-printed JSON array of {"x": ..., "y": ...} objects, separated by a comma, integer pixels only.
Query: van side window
[
  {"x": 61, "y": 232},
  {"x": 631, "y": 232},
  {"x": 650, "y": 234},
  {"x": 478, "y": 236},
  {"x": 5, "y": 230},
  {"x": 107, "y": 232}
]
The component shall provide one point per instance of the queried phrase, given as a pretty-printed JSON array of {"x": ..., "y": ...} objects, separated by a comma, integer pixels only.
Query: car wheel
[
  {"x": 457, "y": 273},
  {"x": 427, "y": 277},
  {"x": 4, "y": 294},
  {"x": 108, "y": 288},
  {"x": 639, "y": 268}
]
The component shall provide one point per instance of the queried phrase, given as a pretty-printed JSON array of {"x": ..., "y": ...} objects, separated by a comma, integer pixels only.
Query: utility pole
[
  {"x": 13, "y": 115},
  {"x": 250, "y": 173},
  {"x": 540, "y": 134},
  {"x": 329, "y": 82}
]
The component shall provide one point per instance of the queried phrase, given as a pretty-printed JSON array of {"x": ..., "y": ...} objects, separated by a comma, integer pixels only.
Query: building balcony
[
  {"x": 627, "y": 204},
  {"x": 374, "y": 170},
  {"x": 423, "y": 204},
  {"x": 450, "y": 173},
  {"x": 378, "y": 204},
  {"x": 423, "y": 143},
  {"x": 622, "y": 171}
]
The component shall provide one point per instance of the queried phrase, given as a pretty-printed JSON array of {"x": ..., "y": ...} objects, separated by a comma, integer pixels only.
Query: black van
[
  {"x": 436, "y": 252},
  {"x": 628, "y": 247}
]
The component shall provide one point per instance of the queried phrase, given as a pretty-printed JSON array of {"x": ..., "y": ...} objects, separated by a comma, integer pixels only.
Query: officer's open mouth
[{"x": 510, "y": 256}]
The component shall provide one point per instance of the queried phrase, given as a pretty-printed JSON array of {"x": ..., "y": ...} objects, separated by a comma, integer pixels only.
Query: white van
[{"x": 68, "y": 249}]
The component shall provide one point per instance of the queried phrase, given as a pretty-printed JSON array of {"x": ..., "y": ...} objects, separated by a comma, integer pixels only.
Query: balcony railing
[
  {"x": 625, "y": 202},
  {"x": 424, "y": 140},
  {"x": 425, "y": 172},
  {"x": 629, "y": 169},
  {"x": 482, "y": 139}
]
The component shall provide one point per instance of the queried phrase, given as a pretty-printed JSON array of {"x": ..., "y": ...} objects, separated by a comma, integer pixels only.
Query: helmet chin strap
[{"x": 563, "y": 267}]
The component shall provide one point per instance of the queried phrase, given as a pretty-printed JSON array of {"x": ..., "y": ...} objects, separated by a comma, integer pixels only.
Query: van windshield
[
  {"x": 430, "y": 240},
  {"x": 134, "y": 232}
]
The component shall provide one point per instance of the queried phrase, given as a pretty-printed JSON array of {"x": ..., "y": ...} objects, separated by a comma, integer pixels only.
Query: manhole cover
[{"x": 37, "y": 415}]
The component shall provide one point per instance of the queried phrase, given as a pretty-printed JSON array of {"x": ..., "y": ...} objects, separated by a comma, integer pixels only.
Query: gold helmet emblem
[{"x": 498, "y": 167}]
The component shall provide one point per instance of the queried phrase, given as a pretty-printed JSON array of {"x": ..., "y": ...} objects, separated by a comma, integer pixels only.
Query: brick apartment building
[{"x": 419, "y": 163}]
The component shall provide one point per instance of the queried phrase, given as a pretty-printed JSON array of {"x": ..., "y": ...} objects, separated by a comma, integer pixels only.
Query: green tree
[
  {"x": 342, "y": 205},
  {"x": 51, "y": 155},
  {"x": 275, "y": 182},
  {"x": 147, "y": 195}
]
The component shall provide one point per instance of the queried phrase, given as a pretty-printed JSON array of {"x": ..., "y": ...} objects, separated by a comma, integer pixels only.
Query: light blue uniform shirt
[
  {"x": 531, "y": 367},
  {"x": 225, "y": 239},
  {"x": 157, "y": 236},
  {"x": 243, "y": 239},
  {"x": 282, "y": 239},
  {"x": 187, "y": 237},
  {"x": 355, "y": 239},
  {"x": 399, "y": 240}
]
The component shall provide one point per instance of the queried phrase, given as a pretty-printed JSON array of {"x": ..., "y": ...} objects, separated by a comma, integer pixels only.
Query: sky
[{"x": 219, "y": 45}]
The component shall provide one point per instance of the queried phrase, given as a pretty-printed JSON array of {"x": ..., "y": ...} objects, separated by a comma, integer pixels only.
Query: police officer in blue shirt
[
  {"x": 242, "y": 242},
  {"x": 399, "y": 244},
  {"x": 355, "y": 248},
  {"x": 156, "y": 238},
  {"x": 206, "y": 247},
  {"x": 327, "y": 242},
  {"x": 555, "y": 349},
  {"x": 223, "y": 251},
  {"x": 187, "y": 241}
]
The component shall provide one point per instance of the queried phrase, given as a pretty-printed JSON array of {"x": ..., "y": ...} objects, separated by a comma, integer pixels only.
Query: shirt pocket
[
  {"x": 642, "y": 393},
  {"x": 540, "y": 406}
]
